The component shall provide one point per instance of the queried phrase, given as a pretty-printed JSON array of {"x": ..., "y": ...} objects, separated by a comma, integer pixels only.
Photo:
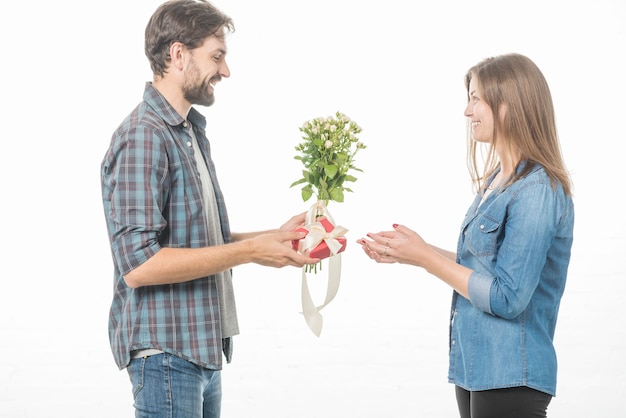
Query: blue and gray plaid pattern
[{"x": 152, "y": 197}]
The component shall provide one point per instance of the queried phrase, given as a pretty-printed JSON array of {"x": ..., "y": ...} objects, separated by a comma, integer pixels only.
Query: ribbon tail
[
  {"x": 311, "y": 314},
  {"x": 334, "y": 278}
]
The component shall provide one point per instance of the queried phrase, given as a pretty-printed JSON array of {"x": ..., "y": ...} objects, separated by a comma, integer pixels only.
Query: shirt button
[
  {"x": 188, "y": 143},
  {"x": 482, "y": 227},
  {"x": 453, "y": 342},
  {"x": 185, "y": 124}
]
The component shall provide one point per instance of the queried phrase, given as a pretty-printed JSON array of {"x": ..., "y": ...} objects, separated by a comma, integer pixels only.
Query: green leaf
[
  {"x": 307, "y": 192},
  {"x": 336, "y": 195},
  {"x": 330, "y": 170},
  {"x": 295, "y": 183},
  {"x": 342, "y": 157},
  {"x": 350, "y": 178}
]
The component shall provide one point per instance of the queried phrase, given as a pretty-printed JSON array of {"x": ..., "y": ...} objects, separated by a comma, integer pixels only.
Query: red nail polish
[{"x": 395, "y": 225}]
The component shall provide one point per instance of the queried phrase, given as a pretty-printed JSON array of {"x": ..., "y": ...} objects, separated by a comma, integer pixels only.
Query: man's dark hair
[{"x": 189, "y": 22}]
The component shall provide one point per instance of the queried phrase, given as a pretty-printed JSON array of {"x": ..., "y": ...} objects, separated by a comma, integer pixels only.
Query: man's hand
[{"x": 275, "y": 250}]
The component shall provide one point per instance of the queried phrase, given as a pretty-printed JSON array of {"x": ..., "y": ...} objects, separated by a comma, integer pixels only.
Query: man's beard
[{"x": 196, "y": 91}]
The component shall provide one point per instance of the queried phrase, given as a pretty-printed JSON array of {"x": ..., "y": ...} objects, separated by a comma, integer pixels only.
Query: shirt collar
[{"x": 161, "y": 107}]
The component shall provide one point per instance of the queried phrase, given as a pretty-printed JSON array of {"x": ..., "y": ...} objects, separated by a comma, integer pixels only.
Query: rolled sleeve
[
  {"x": 133, "y": 250},
  {"x": 479, "y": 288}
]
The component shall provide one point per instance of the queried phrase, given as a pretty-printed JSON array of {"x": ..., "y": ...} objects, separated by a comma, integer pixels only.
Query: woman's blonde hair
[{"x": 528, "y": 130}]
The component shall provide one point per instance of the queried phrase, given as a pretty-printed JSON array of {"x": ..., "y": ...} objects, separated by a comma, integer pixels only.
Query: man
[{"x": 173, "y": 311}]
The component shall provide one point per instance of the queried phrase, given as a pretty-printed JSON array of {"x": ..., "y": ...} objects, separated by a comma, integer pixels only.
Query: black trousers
[{"x": 518, "y": 402}]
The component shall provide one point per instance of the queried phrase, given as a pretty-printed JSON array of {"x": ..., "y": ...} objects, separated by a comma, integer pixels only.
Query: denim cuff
[{"x": 479, "y": 288}]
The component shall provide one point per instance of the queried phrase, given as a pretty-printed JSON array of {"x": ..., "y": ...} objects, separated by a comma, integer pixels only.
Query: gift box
[{"x": 320, "y": 237}]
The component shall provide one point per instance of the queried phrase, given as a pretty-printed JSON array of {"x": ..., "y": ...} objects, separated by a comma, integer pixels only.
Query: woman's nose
[{"x": 468, "y": 110}]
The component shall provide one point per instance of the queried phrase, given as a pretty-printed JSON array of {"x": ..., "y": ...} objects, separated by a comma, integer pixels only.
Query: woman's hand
[
  {"x": 405, "y": 246},
  {"x": 401, "y": 245}
]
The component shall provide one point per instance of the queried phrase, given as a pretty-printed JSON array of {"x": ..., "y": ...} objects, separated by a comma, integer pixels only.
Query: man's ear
[{"x": 177, "y": 55}]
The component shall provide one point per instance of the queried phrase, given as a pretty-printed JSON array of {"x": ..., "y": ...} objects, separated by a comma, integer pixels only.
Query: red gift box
[{"x": 321, "y": 251}]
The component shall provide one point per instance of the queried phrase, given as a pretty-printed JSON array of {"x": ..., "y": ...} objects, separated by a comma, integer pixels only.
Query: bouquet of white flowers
[{"x": 327, "y": 152}]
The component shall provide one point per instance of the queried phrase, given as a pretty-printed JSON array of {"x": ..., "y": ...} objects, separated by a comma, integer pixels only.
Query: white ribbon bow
[{"x": 317, "y": 233}]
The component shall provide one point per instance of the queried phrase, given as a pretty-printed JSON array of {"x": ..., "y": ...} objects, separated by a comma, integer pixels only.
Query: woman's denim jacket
[{"x": 518, "y": 243}]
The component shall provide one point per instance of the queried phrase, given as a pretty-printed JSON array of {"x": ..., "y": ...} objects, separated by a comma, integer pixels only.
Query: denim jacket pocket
[{"x": 482, "y": 235}]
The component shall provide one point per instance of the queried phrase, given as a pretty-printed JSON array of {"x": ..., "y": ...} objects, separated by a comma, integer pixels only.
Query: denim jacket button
[{"x": 482, "y": 227}]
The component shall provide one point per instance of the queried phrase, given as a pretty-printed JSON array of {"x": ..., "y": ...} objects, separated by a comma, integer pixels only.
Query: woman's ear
[{"x": 502, "y": 112}]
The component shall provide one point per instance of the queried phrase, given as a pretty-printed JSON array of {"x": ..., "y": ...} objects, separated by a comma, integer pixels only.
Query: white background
[{"x": 72, "y": 70}]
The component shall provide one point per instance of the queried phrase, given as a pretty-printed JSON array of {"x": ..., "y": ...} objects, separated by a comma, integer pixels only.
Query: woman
[{"x": 510, "y": 268}]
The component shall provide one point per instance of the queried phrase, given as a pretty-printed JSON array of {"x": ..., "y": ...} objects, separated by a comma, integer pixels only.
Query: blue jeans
[{"x": 166, "y": 386}]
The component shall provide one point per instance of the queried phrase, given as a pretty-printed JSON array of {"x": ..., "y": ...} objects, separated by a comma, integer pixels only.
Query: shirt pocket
[{"x": 482, "y": 236}]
